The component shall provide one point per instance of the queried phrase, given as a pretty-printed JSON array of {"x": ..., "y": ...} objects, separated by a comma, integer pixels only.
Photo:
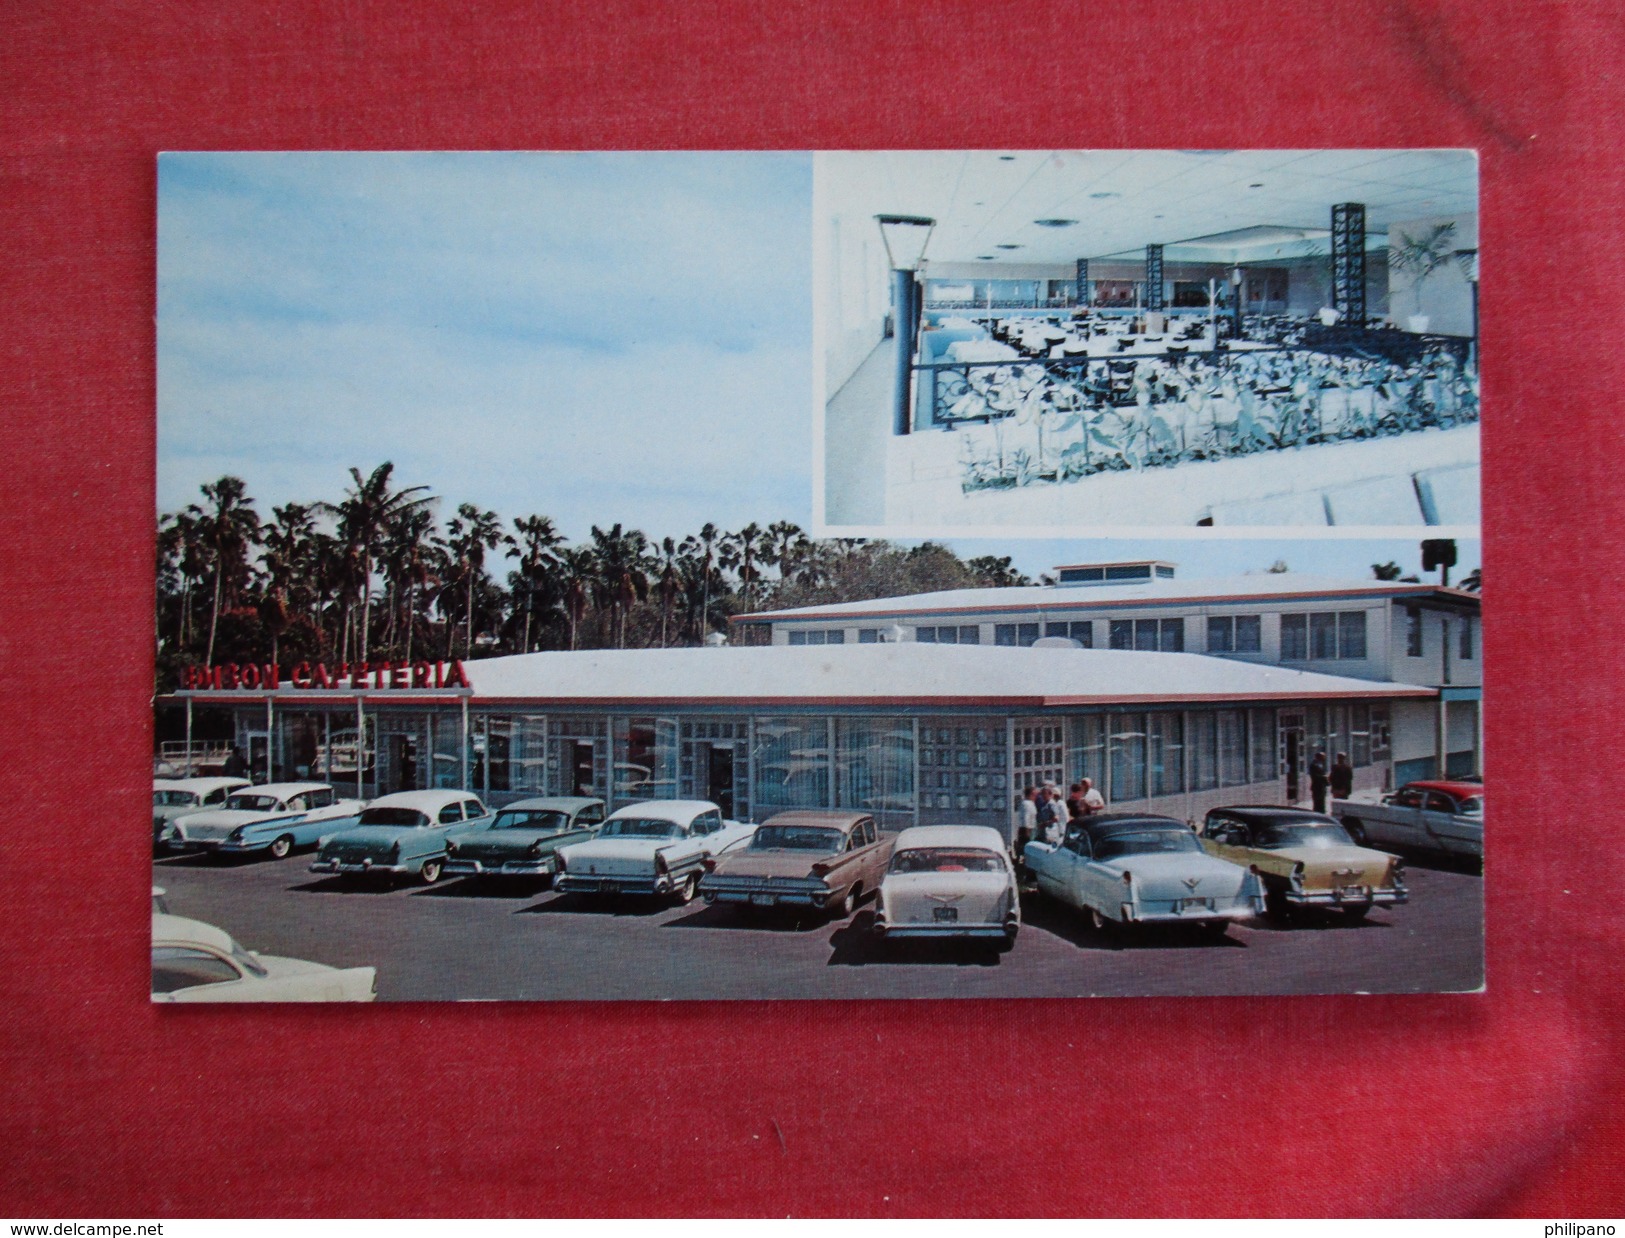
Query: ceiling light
[
  {"x": 905, "y": 237},
  {"x": 1009, "y": 247},
  {"x": 1007, "y": 158},
  {"x": 1104, "y": 194},
  {"x": 1055, "y": 223},
  {"x": 1256, "y": 185},
  {"x": 984, "y": 257}
]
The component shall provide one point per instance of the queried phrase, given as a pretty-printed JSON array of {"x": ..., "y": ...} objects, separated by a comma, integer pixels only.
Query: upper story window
[
  {"x": 1235, "y": 634},
  {"x": 1164, "y": 635},
  {"x": 868, "y": 636},
  {"x": 818, "y": 636},
  {"x": 1413, "y": 631},
  {"x": 949, "y": 634},
  {"x": 1323, "y": 636},
  {"x": 1466, "y": 636},
  {"x": 1015, "y": 633},
  {"x": 1080, "y": 630}
]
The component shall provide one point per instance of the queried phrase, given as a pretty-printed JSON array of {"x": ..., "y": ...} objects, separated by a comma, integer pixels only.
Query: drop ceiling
[{"x": 1219, "y": 206}]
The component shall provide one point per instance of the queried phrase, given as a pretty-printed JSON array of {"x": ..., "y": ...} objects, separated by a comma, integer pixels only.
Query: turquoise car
[
  {"x": 524, "y": 838},
  {"x": 402, "y": 835},
  {"x": 271, "y": 819}
]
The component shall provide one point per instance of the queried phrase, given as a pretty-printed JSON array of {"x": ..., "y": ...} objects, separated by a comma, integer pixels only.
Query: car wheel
[
  {"x": 1275, "y": 905},
  {"x": 1356, "y": 912},
  {"x": 1356, "y": 831},
  {"x": 689, "y": 888},
  {"x": 430, "y": 872},
  {"x": 282, "y": 847},
  {"x": 847, "y": 905},
  {"x": 1098, "y": 922},
  {"x": 1007, "y": 943}
]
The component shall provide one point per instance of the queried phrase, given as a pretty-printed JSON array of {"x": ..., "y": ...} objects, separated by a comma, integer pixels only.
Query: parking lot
[{"x": 459, "y": 940}]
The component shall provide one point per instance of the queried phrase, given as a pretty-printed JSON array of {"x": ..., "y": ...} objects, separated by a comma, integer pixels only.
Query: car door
[
  {"x": 1066, "y": 870},
  {"x": 1447, "y": 828}
]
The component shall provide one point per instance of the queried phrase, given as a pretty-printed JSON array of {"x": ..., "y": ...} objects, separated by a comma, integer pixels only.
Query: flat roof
[
  {"x": 1268, "y": 586},
  {"x": 791, "y": 676}
]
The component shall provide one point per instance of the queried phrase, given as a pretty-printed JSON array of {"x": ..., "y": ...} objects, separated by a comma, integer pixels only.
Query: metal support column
[
  {"x": 465, "y": 745},
  {"x": 1443, "y": 736},
  {"x": 189, "y": 769},
  {"x": 1082, "y": 296},
  {"x": 1153, "y": 279},
  {"x": 270, "y": 740},
  {"x": 360, "y": 745},
  {"x": 902, "y": 283},
  {"x": 1348, "y": 263}
]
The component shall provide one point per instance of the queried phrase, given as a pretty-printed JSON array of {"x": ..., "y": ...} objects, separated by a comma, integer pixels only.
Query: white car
[
  {"x": 949, "y": 881},
  {"x": 658, "y": 847},
  {"x": 179, "y": 797},
  {"x": 196, "y": 962},
  {"x": 274, "y": 818}
]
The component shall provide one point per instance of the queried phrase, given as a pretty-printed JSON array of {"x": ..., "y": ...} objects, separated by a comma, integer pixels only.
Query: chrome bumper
[
  {"x": 357, "y": 867},
  {"x": 584, "y": 883},
  {"x": 761, "y": 892},
  {"x": 891, "y": 931},
  {"x": 507, "y": 868},
  {"x": 1350, "y": 897},
  {"x": 1243, "y": 910}
]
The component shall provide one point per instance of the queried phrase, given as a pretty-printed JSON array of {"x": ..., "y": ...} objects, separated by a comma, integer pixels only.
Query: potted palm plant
[{"x": 1421, "y": 257}]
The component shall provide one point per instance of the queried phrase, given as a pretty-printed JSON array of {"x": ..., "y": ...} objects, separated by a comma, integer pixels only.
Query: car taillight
[
  {"x": 710, "y": 864},
  {"x": 660, "y": 863},
  {"x": 558, "y": 861},
  {"x": 451, "y": 846},
  {"x": 395, "y": 849}
]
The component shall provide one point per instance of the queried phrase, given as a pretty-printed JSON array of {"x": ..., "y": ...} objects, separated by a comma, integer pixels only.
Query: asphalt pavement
[{"x": 472, "y": 941}]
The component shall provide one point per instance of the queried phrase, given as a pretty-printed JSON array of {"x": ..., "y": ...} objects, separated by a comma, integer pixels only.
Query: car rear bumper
[
  {"x": 1360, "y": 896},
  {"x": 1242, "y": 910},
  {"x": 899, "y": 931},
  {"x": 761, "y": 892},
  {"x": 593, "y": 883},
  {"x": 355, "y": 868},
  {"x": 499, "y": 868}
]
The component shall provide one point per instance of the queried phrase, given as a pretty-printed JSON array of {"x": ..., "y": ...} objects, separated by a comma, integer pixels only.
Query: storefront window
[
  {"x": 790, "y": 765},
  {"x": 645, "y": 759},
  {"x": 964, "y": 771},
  {"x": 874, "y": 763},
  {"x": 1128, "y": 757},
  {"x": 1262, "y": 746},
  {"x": 1204, "y": 751},
  {"x": 1360, "y": 735},
  {"x": 1167, "y": 739},
  {"x": 1088, "y": 758},
  {"x": 1232, "y": 727}
]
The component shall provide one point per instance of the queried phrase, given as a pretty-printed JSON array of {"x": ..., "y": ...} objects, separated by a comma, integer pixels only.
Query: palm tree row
[{"x": 377, "y": 575}]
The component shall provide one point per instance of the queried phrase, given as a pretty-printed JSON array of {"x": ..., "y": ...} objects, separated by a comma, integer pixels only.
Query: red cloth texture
[{"x": 1505, "y": 1102}]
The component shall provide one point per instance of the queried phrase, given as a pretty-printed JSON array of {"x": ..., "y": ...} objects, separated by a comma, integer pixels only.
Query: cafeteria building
[{"x": 915, "y": 731}]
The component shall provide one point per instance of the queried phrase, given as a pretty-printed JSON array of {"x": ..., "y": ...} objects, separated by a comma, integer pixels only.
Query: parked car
[
  {"x": 160, "y": 901},
  {"x": 402, "y": 835},
  {"x": 1132, "y": 868},
  {"x": 196, "y": 962},
  {"x": 523, "y": 838},
  {"x": 1305, "y": 858},
  {"x": 657, "y": 847},
  {"x": 827, "y": 860},
  {"x": 949, "y": 881},
  {"x": 274, "y": 818},
  {"x": 1442, "y": 817},
  {"x": 178, "y": 797}
]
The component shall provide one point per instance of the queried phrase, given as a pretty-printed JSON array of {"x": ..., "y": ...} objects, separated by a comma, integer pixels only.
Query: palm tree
[
  {"x": 671, "y": 584},
  {"x": 577, "y": 569},
  {"x": 741, "y": 552},
  {"x": 368, "y": 508},
  {"x": 701, "y": 549},
  {"x": 785, "y": 544},
  {"x": 622, "y": 560},
  {"x": 1387, "y": 571},
  {"x": 537, "y": 541},
  {"x": 407, "y": 550},
  {"x": 470, "y": 534},
  {"x": 227, "y": 526}
]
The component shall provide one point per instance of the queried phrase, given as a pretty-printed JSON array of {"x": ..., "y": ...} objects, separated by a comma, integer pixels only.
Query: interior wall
[
  {"x": 1447, "y": 297},
  {"x": 857, "y": 294}
]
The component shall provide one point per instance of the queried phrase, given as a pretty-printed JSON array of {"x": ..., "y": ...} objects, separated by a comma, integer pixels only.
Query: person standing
[
  {"x": 1046, "y": 830},
  {"x": 1093, "y": 801},
  {"x": 235, "y": 766},
  {"x": 1318, "y": 781},
  {"x": 1026, "y": 820},
  {"x": 1342, "y": 777}
]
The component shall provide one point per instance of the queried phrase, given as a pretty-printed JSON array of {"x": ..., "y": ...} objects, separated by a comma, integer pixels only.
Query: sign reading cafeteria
[{"x": 529, "y": 629}]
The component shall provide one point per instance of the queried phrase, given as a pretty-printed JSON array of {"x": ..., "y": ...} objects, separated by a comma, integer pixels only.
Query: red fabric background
[{"x": 1507, "y": 1102}]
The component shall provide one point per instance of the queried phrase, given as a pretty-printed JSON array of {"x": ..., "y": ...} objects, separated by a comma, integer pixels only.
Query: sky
[{"x": 596, "y": 337}]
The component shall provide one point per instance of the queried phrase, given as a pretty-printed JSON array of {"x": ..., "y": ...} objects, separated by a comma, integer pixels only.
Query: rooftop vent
[{"x": 1141, "y": 571}]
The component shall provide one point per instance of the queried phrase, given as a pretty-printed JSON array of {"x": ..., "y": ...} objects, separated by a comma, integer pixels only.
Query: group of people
[
  {"x": 1338, "y": 779},
  {"x": 1043, "y": 813}
]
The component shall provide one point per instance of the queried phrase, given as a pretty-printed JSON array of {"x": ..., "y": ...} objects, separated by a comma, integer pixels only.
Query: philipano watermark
[{"x": 1578, "y": 1229}]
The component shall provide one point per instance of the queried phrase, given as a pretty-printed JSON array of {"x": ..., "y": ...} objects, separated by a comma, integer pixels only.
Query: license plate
[
  {"x": 763, "y": 900},
  {"x": 611, "y": 887},
  {"x": 945, "y": 915},
  {"x": 1195, "y": 904}
]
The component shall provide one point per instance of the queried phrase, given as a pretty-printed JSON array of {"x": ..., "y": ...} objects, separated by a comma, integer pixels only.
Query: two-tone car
[
  {"x": 402, "y": 835},
  {"x": 953, "y": 881},
  {"x": 180, "y": 797},
  {"x": 1132, "y": 868},
  {"x": 658, "y": 848},
  {"x": 824, "y": 860},
  {"x": 524, "y": 837},
  {"x": 273, "y": 818},
  {"x": 196, "y": 962},
  {"x": 1306, "y": 859},
  {"x": 1446, "y": 818}
]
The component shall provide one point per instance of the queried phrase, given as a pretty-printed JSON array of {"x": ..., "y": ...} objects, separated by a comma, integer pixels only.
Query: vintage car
[
  {"x": 402, "y": 835},
  {"x": 826, "y": 860},
  {"x": 949, "y": 881},
  {"x": 657, "y": 847},
  {"x": 274, "y": 818},
  {"x": 523, "y": 837},
  {"x": 178, "y": 797},
  {"x": 1135, "y": 868},
  {"x": 1306, "y": 860},
  {"x": 196, "y": 962},
  {"x": 1442, "y": 817}
]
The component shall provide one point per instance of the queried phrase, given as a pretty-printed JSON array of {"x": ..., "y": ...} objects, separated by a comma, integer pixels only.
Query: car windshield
[
  {"x": 1314, "y": 836},
  {"x": 254, "y": 803},
  {"x": 246, "y": 960},
  {"x": 530, "y": 819},
  {"x": 640, "y": 827},
  {"x": 797, "y": 838},
  {"x": 172, "y": 799},
  {"x": 947, "y": 860},
  {"x": 409, "y": 817},
  {"x": 1145, "y": 842}
]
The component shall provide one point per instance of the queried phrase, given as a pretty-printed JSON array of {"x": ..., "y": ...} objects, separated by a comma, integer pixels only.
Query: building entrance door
[
  {"x": 720, "y": 778},
  {"x": 259, "y": 745},
  {"x": 581, "y": 781},
  {"x": 404, "y": 765},
  {"x": 1292, "y": 754}
]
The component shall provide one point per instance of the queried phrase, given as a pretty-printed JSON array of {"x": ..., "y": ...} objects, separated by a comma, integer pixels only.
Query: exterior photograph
[
  {"x": 1045, "y": 340},
  {"x": 496, "y": 660}
]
